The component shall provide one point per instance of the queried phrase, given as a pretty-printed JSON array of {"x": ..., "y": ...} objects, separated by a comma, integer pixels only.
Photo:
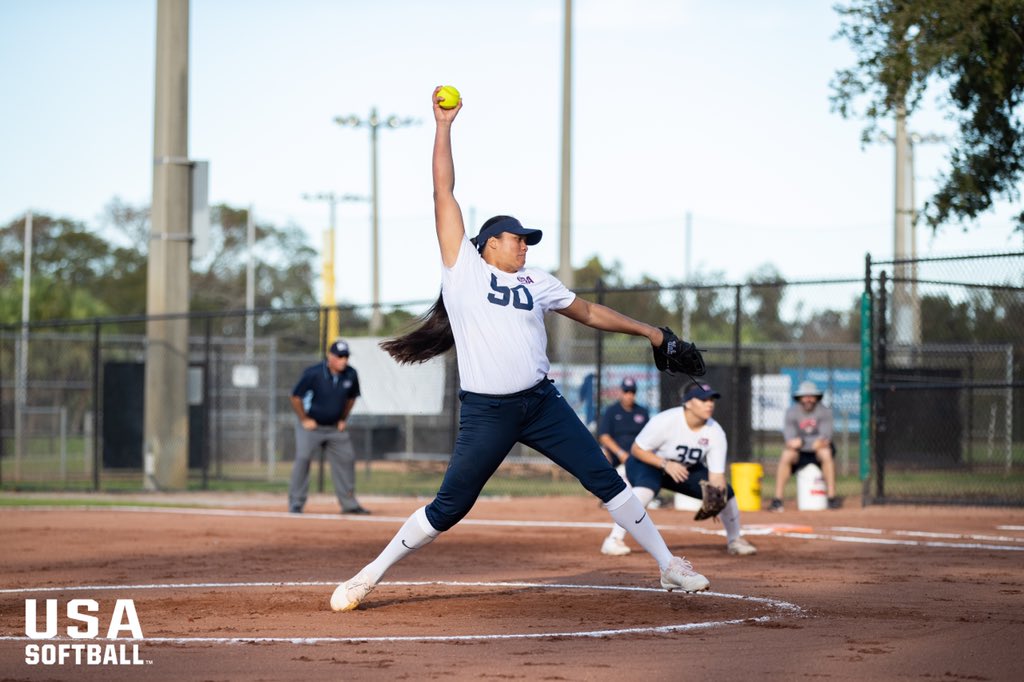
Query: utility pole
[
  {"x": 565, "y": 272},
  {"x": 685, "y": 298},
  {"x": 330, "y": 326},
  {"x": 563, "y": 326},
  {"x": 21, "y": 382},
  {"x": 250, "y": 283},
  {"x": 906, "y": 306},
  {"x": 165, "y": 442},
  {"x": 374, "y": 122}
]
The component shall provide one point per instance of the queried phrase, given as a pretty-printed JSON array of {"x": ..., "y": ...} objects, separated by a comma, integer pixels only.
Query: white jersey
[
  {"x": 668, "y": 436},
  {"x": 497, "y": 319}
]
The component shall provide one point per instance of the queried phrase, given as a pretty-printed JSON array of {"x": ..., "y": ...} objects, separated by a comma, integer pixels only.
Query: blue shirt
[
  {"x": 623, "y": 426},
  {"x": 324, "y": 394}
]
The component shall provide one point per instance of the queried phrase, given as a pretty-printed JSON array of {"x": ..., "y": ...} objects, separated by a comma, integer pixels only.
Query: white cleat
[
  {"x": 679, "y": 575},
  {"x": 349, "y": 594},
  {"x": 614, "y": 547},
  {"x": 740, "y": 547}
]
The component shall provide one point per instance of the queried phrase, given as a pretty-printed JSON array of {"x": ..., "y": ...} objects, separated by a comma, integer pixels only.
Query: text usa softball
[{"x": 86, "y": 626}]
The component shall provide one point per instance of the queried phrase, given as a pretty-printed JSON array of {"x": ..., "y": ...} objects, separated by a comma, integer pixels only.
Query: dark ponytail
[
  {"x": 431, "y": 338},
  {"x": 434, "y": 334}
]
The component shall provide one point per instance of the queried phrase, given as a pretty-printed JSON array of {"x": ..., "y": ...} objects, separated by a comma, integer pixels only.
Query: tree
[
  {"x": 766, "y": 287},
  {"x": 68, "y": 261},
  {"x": 833, "y": 326},
  {"x": 284, "y": 273},
  {"x": 976, "y": 49},
  {"x": 77, "y": 273}
]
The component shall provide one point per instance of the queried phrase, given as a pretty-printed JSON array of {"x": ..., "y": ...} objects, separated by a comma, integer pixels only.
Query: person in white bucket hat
[{"x": 807, "y": 430}]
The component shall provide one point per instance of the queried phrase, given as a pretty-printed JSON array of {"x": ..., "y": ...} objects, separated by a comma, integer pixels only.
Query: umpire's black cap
[{"x": 339, "y": 348}]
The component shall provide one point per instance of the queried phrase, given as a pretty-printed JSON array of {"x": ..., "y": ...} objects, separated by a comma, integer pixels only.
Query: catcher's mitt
[
  {"x": 714, "y": 499},
  {"x": 675, "y": 355}
]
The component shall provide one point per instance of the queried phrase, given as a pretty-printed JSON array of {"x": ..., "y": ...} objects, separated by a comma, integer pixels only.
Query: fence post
[
  {"x": 865, "y": 373},
  {"x": 878, "y": 397},
  {"x": 1009, "y": 409},
  {"x": 205, "y": 451},
  {"x": 1, "y": 411},
  {"x": 734, "y": 437},
  {"x": 598, "y": 407},
  {"x": 97, "y": 409},
  {"x": 272, "y": 410}
]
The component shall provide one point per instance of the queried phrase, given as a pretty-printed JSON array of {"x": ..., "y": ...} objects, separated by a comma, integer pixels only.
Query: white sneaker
[
  {"x": 348, "y": 594},
  {"x": 614, "y": 547},
  {"x": 679, "y": 575},
  {"x": 740, "y": 547}
]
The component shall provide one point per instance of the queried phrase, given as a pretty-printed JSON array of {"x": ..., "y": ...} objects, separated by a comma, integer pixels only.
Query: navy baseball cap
[
  {"x": 506, "y": 224},
  {"x": 628, "y": 385},
  {"x": 701, "y": 391},
  {"x": 339, "y": 348}
]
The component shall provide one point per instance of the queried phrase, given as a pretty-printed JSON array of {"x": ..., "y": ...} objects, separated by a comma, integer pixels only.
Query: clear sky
[{"x": 718, "y": 109}]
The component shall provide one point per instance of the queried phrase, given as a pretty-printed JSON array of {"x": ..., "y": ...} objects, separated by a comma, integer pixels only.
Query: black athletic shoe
[
  {"x": 775, "y": 506},
  {"x": 355, "y": 510},
  {"x": 835, "y": 503}
]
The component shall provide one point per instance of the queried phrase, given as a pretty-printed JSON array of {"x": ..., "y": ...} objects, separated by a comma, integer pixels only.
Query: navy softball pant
[
  {"x": 643, "y": 475},
  {"x": 490, "y": 425}
]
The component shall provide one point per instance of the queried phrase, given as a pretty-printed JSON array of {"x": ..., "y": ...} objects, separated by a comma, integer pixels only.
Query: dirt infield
[{"x": 238, "y": 591}]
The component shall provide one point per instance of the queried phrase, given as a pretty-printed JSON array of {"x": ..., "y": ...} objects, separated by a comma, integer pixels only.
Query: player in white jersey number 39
[{"x": 677, "y": 449}]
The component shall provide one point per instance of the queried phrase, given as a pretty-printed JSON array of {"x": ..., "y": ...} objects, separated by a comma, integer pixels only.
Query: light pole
[
  {"x": 374, "y": 122},
  {"x": 329, "y": 327},
  {"x": 906, "y": 306}
]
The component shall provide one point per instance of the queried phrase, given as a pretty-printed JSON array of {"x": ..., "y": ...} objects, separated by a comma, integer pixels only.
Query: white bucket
[{"x": 811, "y": 491}]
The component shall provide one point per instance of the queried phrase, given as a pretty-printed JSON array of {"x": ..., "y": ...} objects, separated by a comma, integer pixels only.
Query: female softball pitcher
[{"x": 492, "y": 308}]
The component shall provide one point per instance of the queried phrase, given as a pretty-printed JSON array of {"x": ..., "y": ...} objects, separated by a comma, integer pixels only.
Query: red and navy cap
[{"x": 700, "y": 391}]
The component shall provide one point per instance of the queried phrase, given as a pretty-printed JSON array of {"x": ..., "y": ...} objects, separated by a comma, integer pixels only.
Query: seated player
[{"x": 807, "y": 428}]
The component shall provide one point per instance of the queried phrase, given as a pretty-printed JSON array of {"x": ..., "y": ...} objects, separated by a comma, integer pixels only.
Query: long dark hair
[{"x": 433, "y": 336}]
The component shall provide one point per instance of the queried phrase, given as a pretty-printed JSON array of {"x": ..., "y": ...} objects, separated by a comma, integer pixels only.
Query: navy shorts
[
  {"x": 490, "y": 425},
  {"x": 643, "y": 475},
  {"x": 810, "y": 457}
]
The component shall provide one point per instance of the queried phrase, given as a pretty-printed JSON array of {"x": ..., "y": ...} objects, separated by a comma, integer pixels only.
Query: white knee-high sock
[
  {"x": 645, "y": 495},
  {"x": 416, "y": 532},
  {"x": 730, "y": 518},
  {"x": 627, "y": 511}
]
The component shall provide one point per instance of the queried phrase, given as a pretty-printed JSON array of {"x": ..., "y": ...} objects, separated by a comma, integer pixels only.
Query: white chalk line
[
  {"x": 577, "y": 524},
  {"x": 776, "y": 604},
  {"x": 931, "y": 534},
  {"x": 878, "y": 540}
]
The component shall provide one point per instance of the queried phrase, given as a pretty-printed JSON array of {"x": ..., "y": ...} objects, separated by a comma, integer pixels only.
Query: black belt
[{"x": 531, "y": 389}]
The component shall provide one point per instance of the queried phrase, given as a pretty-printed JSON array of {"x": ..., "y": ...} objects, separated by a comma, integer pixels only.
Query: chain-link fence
[
  {"x": 947, "y": 380},
  {"x": 944, "y": 421}
]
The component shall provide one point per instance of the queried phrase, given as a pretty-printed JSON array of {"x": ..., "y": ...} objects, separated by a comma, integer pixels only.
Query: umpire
[{"x": 323, "y": 398}]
